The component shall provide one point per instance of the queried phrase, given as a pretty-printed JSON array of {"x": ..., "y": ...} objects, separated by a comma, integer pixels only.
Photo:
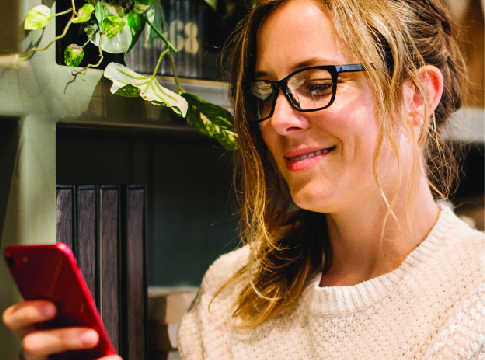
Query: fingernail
[
  {"x": 89, "y": 338},
  {"x": 48, "y": 311}
]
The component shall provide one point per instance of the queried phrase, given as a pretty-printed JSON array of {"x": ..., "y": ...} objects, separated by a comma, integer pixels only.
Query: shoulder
[
  {"x": 205, "y": 328},
  {"x": 450, "y": 264},
  {"x": 224, "y": 268},
  {"x": 462, "y": 267},
  {"x": 448, "y": 288},
  {"x": 463, "y": 243},
  {"x": 218, "y": 274},
  {"x": 460, "y": 252}
]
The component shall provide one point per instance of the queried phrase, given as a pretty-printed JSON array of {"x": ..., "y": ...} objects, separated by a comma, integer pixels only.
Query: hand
[{"x": 22, "y": 319}]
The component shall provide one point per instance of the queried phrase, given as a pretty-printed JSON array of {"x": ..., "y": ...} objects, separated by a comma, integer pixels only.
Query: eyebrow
[{"x": 316, "y": 61}]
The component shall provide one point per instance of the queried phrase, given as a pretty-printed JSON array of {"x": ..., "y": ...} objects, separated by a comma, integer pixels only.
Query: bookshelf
[
  {"x": 41, "y": 104},
  {"x": 46, "y": 113}
]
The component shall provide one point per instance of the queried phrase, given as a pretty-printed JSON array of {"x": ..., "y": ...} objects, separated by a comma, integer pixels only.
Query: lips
[
  {"x": 310, "y": 154},
  {"x": 303, "y": 159}
]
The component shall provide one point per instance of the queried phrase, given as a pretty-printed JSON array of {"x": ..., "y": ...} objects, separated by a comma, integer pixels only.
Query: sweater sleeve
[
  {"x": 189, "y": 336},
  {"x": 205, "y": 329}
]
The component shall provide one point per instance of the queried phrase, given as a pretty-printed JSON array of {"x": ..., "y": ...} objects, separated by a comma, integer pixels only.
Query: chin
[
  {"x": 311, "y": 200},
  {"x": 324, "y": 198}
]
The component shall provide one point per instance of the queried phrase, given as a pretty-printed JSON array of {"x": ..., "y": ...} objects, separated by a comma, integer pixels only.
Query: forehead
[{"x": 297, "y": 34}]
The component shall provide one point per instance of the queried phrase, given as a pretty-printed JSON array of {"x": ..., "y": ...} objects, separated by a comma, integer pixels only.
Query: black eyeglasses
[{"x": 309, "y": 89}]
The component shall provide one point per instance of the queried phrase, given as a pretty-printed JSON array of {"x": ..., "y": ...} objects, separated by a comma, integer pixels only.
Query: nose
[{"x": 285, "y": 118}]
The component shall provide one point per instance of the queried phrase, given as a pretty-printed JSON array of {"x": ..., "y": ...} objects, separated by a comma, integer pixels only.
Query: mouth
[{"x": 310, "y": 155}]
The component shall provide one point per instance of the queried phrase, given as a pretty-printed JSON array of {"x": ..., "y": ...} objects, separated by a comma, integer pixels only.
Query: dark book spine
[
  {"x": 106, "y": 228},
  {"x": 108, "y": 260},
  {"x": 85, "y": 241},
  {"x": 135, "y": 259},
  {"x": 65, "y": 215}
]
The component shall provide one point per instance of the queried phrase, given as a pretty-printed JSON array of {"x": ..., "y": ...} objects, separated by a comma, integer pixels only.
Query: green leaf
[
  {"x": 90, "y": 29},
  {"x": 117, "y": 45},
  {"x": 112, "y": 25},
  {"x": 156, "y": 17},
  {"x": 73, "y": 55},
  {"x": 140, "y": 8},
  {"x": 136, "y": 24},
  {"x": 37, "y": 18},
  {"x": 84, "y": 13},
  {"x": 128, "y": 91},
  {"x": 211, "y": 120},
  {"x": 104, "y": 9},
  {"x": 125, "y": 79},
  {"x": 143, "y": 2},
  {"x": 120, "y": 43},
  {"x": 212, "y": 4}
]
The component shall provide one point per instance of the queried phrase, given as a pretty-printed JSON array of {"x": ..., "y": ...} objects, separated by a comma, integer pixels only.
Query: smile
[{"x": 310, "y": 155}]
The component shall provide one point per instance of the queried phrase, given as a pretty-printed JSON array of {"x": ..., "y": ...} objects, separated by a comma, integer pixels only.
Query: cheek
[
  {"x": 357, "y": 134},
  {"x": 355, "y": 127},
  {"x": 270, "y": 137},
  {"x": 265, "y": 134}
]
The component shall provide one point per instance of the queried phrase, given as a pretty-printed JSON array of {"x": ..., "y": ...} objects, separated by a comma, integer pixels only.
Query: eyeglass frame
[{"x": 334, "y": 70}]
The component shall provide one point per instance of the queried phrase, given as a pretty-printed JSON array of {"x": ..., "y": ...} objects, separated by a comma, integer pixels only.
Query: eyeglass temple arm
[{"x": 349, "y": 68}]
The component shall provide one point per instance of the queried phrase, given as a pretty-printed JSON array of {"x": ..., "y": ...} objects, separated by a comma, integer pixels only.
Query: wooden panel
[
  {"x": 86, "y": 237},
  {"x": 136, "y": 274},
  {"x": 109, "y": 281},
  {"x": 65, "y": 215}
]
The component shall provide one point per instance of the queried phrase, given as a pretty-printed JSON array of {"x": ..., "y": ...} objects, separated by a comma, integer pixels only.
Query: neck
[{"x": 362, "y": 249}]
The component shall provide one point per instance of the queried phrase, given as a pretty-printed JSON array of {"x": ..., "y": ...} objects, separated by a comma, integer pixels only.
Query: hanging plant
[{"x": 116, "y": 28}]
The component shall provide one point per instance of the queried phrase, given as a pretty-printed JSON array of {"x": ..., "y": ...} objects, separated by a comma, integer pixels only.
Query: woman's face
[{"x": 300, "y": 34}]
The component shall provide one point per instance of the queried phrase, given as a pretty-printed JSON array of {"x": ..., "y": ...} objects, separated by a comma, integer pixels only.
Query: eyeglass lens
[{"x": 309, "y": 89}]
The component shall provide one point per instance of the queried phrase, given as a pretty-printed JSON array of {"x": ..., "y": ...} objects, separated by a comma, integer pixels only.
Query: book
[
  {"x": 65, "y": 213},
  {"x": 85, "y": 239},
  {"x": 105, "y": 227},
  {"x": 135, "y": 276},
  {"x": 109, "y": 296}
]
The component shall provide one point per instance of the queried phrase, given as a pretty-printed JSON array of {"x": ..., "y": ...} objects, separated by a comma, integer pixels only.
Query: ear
[{"x": 431, "y": 79}]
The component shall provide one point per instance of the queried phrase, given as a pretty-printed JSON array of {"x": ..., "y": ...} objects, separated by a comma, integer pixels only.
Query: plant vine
[{"x": 114, "y": 28}]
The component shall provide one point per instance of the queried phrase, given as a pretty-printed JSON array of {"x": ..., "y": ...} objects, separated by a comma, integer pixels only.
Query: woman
[
  {"x": 338, "y": 106},
  {"x": 368, "y": 266}
]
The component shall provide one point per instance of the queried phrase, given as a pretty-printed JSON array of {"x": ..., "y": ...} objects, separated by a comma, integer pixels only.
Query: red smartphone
[{"x": 50, "y": 272}]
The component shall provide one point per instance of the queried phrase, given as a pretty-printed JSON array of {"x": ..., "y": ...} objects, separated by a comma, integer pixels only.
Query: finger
[
  {"x": 46, "y": 342},
  {"x": 111, "y": 357},
  {"x": 21, "y": 317}
]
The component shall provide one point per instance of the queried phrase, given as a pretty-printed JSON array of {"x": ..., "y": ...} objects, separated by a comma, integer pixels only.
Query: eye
[
  {"x": 262, "y": 90},
  {"x": 318, "y": 88},
  {"x": 311, "y": 83}
]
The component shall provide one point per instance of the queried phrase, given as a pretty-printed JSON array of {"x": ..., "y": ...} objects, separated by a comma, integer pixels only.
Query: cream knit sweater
[{"x": 431, "y": 307}]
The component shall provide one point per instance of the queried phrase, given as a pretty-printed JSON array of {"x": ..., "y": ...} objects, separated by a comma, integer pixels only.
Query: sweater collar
[{"x": 330, "y": 300}]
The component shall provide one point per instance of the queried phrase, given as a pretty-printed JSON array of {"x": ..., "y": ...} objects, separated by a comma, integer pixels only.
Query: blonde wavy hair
[{"x": 392, "y": 38}]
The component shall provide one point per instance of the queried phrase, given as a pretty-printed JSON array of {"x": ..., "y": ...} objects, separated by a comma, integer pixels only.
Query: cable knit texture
[{"x": 431, "y": 307}]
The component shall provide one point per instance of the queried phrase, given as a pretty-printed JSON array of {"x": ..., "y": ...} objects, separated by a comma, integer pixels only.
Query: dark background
[{"x": 191, "y": 212}]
